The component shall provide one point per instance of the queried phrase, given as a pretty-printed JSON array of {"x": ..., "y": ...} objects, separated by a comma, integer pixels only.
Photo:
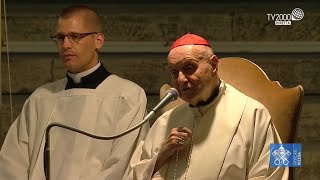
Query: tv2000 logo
[{"x": 285, "y": 19}]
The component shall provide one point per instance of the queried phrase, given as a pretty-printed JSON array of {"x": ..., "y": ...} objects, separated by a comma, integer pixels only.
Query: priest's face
[
  {"x": 193, "y": 69},
  {"x": 78, "y": 43}
]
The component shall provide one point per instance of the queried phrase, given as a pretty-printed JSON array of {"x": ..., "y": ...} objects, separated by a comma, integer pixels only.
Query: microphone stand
[
  {"x": 172, "y": 94},
  {"x": 47, "y": 138}
]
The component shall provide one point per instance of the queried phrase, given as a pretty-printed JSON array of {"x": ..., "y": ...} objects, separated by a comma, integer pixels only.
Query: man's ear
[
  {"x": 214, "y": 63},
  {"x": 99, "y": 40}
]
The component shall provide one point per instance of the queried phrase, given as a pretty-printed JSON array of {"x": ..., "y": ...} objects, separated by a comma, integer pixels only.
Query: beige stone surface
[
  {"x": 309, "y": 124},
  {"x": 27, "y": 72},
  {"x": 223, "y": 26},
  {"x": 30, "y": 28},
  {"x": 166, "y": 28},
  {"x": 310, "y": 162},
  {"x": 131, "y": 27},
  {"x": 256, "y": 27}
]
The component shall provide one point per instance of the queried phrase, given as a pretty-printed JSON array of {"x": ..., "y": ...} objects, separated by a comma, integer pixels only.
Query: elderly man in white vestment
[
  {"x": 219, "y": 133},
  {"x": 89, "y": 98}
]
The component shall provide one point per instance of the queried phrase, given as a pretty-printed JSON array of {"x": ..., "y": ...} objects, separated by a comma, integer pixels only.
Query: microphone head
[
  {"x": 174, "y": 92},
  {"x": 171, "y": 95}
]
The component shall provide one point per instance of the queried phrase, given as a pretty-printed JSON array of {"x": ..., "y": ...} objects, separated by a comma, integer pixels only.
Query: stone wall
[
  {"x": 235, "y": 23},
  {"x": 218, "y": 22}
]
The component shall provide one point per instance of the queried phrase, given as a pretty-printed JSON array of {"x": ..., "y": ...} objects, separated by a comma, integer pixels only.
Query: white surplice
[
  {"x": 114, "y": 106},
  {"x": 231, "y": 138}
]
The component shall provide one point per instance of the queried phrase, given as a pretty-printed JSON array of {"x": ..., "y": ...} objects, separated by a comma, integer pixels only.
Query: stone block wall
[{"x": 166, "y": 22}]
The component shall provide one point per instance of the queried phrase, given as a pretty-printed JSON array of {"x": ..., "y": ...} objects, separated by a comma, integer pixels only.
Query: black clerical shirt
[{"x": 90, "y": 81}]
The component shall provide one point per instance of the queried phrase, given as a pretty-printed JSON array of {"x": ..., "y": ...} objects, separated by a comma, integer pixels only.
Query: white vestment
[
  {"x": 231, "y": 138},
  {"x": 114, "y": 106}
]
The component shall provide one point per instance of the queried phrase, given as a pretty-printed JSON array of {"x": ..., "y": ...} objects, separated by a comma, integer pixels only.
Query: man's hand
[{"x": 178, "y": 139}]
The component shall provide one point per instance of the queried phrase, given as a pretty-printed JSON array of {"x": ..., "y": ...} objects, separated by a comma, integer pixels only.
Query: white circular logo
[{"x": 297, "y": 14}]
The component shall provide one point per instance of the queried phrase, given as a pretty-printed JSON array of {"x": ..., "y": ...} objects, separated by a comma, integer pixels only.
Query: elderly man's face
[{"x": 192, "y": 72}]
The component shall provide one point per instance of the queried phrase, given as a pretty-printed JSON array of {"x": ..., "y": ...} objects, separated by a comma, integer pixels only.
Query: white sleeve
[
  {"x": 14, "y": 154},
  {"x": 264, "y": 135}
]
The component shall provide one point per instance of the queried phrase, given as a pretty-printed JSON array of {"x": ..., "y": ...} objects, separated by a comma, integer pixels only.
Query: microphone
[{"x": 171, "y": 95}]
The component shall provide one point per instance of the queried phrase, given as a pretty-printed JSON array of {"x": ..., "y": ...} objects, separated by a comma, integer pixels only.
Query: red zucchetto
[{"x": 189, "y": 39}]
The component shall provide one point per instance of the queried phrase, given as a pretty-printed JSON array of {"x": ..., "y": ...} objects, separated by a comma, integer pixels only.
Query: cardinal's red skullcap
[{"x": 189, "y": 39}]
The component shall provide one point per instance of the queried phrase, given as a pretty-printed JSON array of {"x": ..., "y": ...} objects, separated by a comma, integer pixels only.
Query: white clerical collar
[{"x": 77, "y": 77}]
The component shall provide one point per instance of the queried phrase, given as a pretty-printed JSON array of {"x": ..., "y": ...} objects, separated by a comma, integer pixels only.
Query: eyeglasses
[{"x": 74, "y": 38}]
